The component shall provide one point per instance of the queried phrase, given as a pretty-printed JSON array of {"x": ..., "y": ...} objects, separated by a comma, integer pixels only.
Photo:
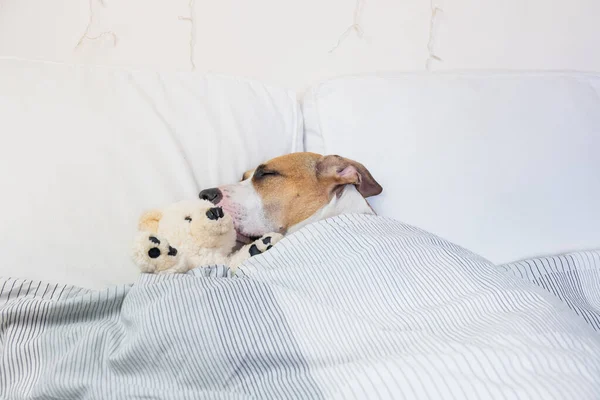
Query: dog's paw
[
  {"x": 154, "y": 255},
  {"x": 264, "y": 243}
]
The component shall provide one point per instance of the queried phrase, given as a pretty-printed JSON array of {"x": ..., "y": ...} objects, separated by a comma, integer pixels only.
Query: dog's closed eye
[
  {"x": 188, "y": 219},
  {"x": 262, "y": 172}
]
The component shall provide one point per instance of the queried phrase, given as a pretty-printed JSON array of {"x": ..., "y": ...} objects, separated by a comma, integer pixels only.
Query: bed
[{"x": 478, "y": 278}]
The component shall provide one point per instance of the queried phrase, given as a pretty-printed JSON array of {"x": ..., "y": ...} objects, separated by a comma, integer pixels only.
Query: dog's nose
[
  {"x": 215, "y": 213},
  {"x": 213, "y": 195}
]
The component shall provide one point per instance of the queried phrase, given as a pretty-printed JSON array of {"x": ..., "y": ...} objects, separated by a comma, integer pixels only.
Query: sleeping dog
[{"x": 288, "y": 192}]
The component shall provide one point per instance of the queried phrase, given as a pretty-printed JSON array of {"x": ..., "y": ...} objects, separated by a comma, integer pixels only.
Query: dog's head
[{"x": 287, "y": 190}]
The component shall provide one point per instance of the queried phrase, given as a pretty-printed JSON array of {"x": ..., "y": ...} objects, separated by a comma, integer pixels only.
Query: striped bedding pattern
[
  {"x": 352, "y": 307},
  {"x": 573, "y": 278}
]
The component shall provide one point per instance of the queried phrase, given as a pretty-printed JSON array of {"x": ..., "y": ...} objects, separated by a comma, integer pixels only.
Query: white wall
[{"x": 288, "y": 42}]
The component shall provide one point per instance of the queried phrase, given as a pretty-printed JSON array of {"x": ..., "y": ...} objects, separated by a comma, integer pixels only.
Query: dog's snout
[
  {"x": 213, "y": 195},
  {"x": 215, "y": 213}
]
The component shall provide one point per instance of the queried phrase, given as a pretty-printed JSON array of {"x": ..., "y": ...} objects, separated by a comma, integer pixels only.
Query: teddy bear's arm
[{"x": 259, "y": 246}]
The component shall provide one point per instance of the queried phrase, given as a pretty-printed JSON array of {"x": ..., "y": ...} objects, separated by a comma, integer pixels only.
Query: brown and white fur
[{"x": 288, "y": 192}]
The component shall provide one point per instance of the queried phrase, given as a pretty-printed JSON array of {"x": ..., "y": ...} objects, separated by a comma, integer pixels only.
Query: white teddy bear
[{"x": 189, "y": 234}]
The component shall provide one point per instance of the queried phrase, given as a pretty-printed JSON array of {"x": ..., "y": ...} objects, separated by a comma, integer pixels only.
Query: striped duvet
[{"x": 352, "y": 307}]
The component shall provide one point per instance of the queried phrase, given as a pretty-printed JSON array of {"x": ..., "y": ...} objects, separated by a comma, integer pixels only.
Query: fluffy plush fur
[{"x": 188, "y": 234}]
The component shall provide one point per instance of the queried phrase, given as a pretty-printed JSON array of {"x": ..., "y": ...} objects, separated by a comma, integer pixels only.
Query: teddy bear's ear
[{"x": 149, "y": 221}]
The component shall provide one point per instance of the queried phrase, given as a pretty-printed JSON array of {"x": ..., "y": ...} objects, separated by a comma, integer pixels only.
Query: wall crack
[
  {"x": 355, "y": 27},
  {"x": 190, "y": 19},
  {"x": 86, "y": 33},
  {"x": 435, "y": 11}
]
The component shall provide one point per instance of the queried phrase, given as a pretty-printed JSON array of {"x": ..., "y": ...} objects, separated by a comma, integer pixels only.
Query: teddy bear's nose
[
  {"x": 213, "y": 195},
  {"x": 215, "y": 213}
]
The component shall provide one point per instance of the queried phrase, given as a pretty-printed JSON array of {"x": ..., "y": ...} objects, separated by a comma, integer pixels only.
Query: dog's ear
[
  {"x": 149, "y": 221},
  {"x": 343, "y": 171}
]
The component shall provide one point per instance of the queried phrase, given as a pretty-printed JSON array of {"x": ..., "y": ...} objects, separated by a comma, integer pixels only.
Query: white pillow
[
  {"x": 85, "y": 150},
  {"x": 506, "y": 165}
]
